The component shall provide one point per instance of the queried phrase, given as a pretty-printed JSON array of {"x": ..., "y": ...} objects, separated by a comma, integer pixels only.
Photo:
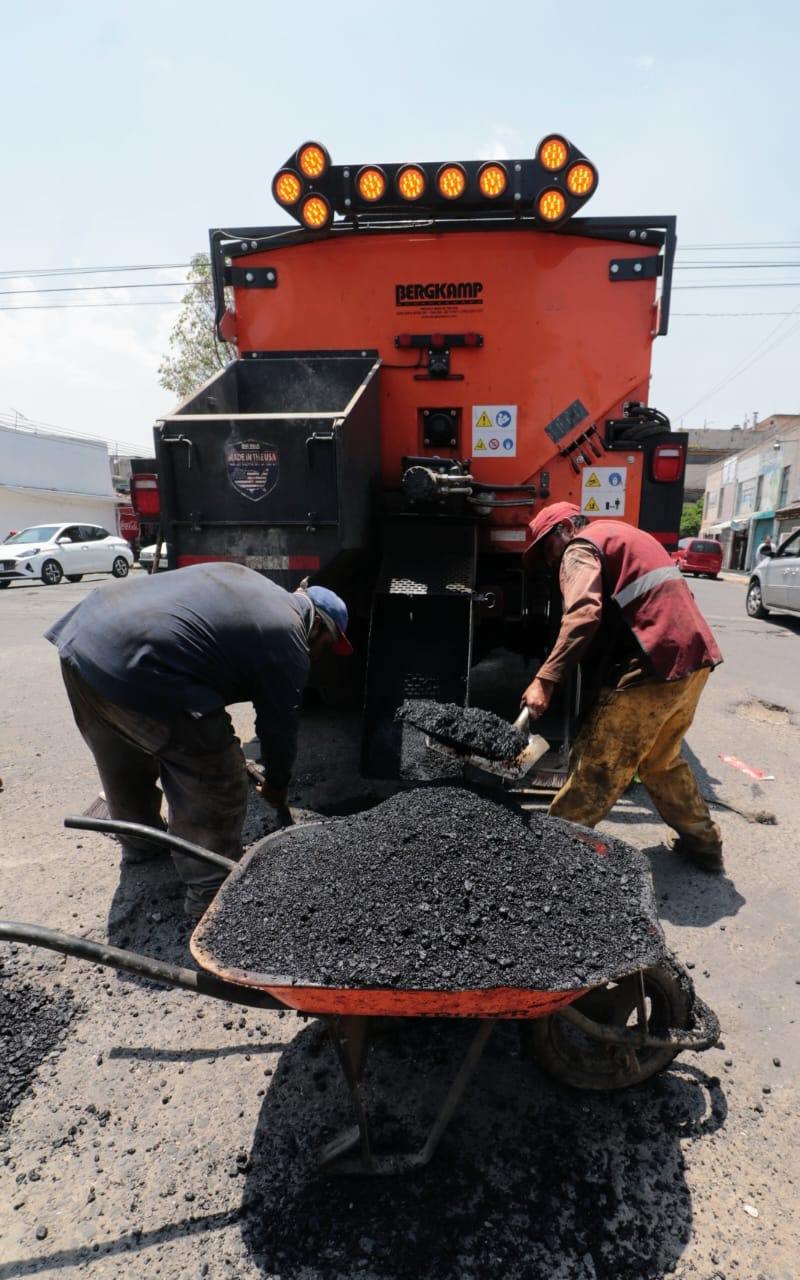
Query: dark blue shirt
[{"x": 196, "y": 640}]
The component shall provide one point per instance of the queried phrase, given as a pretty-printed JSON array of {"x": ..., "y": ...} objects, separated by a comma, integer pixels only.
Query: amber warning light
[{"x": 547, "y": 188}]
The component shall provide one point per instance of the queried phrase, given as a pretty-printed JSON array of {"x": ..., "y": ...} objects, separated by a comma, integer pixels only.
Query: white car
[
  {"x": 55, "y": 551},
  {"x": 775, "y": 581},
  {"x": 148, "y": 554}
]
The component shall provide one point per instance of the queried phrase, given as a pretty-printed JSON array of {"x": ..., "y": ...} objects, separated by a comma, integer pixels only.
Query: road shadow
[
  {"x": 135, "y": 1241},
  {"x": 688, "y": 896},
  {"x": 146, "y": 912},
  {"x": 787, "y": 621},
  {"x": 146, "y": 915},
  {"x": 531, "y": 1180}
]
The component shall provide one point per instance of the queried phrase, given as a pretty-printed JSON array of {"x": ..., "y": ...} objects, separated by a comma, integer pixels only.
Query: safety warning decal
[
  {"x": 494, "y": 430},
  {"x": 603, "y": 491}
]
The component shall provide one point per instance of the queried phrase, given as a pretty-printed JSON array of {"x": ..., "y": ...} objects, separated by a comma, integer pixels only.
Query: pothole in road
[{"x": 764, "y": 712}]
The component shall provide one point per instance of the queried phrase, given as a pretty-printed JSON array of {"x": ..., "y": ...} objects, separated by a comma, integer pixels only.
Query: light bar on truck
[
  {"x": 492, "y": 180},
  {"x": 549, "y": 188},
  {"x": 316, "y": 213},
  {"x": 411, "y": 182}
]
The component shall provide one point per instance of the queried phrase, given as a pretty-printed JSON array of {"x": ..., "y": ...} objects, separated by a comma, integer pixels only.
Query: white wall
[
  {"x": 38, "y": 461},
  {"x": 20, "y": 508}
]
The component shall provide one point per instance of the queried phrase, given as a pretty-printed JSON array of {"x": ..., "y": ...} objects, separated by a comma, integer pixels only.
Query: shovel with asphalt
[{"x": 512, "y": 770}]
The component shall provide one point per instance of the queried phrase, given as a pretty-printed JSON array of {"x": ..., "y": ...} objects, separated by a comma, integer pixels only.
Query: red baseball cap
[{"x": 543, "y": 523}]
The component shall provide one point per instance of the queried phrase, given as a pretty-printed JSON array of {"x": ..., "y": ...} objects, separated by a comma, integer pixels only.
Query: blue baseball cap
[{"x": 333, "y": 612}]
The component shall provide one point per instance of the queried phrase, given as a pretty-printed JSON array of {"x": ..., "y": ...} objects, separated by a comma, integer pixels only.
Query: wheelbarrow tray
[{"x": 309, "y": 997}]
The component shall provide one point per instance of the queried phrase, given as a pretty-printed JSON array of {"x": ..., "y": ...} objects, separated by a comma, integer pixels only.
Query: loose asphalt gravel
[
  {"x": 468, "y": 729},
  {"x": 33, "y": 1023},
  {"x": 439, "y": 888}
]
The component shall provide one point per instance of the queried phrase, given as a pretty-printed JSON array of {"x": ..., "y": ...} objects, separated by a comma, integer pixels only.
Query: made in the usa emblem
[{"x": 252, "y": 467}]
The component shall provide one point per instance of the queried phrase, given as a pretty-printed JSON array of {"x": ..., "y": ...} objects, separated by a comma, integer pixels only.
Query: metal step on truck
[{"x": 430, "y": 355}]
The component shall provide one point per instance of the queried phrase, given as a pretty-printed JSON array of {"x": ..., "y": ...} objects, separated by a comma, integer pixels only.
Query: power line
[
  {"x": 747, "y": 314},
  {"x": 745, "y": 284},
  {"x": 95, "y": 288},
  {"x": 39, "y": 272},
  {"x": 723, "y": 247},
  {"x": 83, "y": 306},
  {"x": 730, "y": 266},
  {"x": 749, "y": 360}
]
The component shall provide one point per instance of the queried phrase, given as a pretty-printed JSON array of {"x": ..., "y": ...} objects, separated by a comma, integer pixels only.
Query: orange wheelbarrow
[{"x": 608, "y": 1036}]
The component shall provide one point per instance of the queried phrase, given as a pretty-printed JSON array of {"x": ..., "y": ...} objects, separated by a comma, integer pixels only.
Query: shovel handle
[{"x": 523, "y": 719}]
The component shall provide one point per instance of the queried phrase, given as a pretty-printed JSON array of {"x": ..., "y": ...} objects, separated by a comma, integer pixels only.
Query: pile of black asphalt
[
  {"x": 469, "y": 729},
  {"x": 439, "y": 888},
  {"x": 33, "y": 1022}
]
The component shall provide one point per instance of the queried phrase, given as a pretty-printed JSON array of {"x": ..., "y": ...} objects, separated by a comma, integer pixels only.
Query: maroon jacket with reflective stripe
[{"x": 653, "y": 599}]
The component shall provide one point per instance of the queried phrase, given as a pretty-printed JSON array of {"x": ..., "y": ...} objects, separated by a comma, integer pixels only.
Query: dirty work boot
[
  {"x": 706, "y": 857},
  {"x": 132, "y": 854},
  {"x": 198, "y": 899}
]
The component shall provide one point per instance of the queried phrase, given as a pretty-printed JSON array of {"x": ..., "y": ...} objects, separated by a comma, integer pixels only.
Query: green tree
[
  {"x": 195, "y": 352},
  {"x": 691, "y": 518}
]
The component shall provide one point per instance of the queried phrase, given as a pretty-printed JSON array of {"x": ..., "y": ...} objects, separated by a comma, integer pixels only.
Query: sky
[{"x": 129, "y": 129}]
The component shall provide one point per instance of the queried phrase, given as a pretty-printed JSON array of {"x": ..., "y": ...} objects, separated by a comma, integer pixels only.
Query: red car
[{"x": 699, "y": 556}]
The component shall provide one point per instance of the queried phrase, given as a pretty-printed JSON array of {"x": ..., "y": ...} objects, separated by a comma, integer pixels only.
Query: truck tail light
[
  {"x": 145, "y": 498},
  {"x": 668, "y": 463}
]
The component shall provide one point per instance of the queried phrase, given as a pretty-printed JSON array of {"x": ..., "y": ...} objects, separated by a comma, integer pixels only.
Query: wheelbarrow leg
[
  {"x": 349, "y": 1038},
  {"x": 334, "y": 1155},
  {"x": 455, "y": 1093}
]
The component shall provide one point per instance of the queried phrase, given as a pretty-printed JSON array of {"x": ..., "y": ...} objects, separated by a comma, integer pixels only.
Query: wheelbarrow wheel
[{"x": 574, "y": 1058}]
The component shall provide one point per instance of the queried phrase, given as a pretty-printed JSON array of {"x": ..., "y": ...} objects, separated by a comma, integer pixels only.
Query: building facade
[
  {"x": 50, "y": 479},
  {"x": 756, "y": 492},
  {"x": 708, "y": 445}
]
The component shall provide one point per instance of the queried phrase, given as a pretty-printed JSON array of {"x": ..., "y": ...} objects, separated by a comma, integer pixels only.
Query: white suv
[
  {"x": 775, "y": 581},
  {"x": 55, "y": 551}
]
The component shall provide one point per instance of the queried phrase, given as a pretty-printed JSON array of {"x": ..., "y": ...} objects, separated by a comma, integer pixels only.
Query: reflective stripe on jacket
[{"x": 653, "y": 599}]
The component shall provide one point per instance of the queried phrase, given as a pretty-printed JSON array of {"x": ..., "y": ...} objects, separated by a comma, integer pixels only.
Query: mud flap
[{"x": 420, "y": 643}]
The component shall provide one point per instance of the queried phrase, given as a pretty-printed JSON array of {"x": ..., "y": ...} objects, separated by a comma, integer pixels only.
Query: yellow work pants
[{"x": 639, "y": 727}]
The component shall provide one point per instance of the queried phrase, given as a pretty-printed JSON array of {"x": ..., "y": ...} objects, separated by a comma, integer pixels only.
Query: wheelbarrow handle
[
  {"x": 171, "y": 975},
  {"x": 113, "y": 827}
]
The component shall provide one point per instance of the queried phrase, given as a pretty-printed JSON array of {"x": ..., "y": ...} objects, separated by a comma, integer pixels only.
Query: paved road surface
[{"x": 125, "y": 1151}]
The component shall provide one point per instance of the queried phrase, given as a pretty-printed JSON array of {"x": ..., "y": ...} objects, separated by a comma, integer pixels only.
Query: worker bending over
[
  {"x": 632, "y": 621},
  {"x": 150, "y": 666}
]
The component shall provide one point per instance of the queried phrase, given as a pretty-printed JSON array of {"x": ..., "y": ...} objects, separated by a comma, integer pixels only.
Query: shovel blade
[{"x": 510, "y": 770}]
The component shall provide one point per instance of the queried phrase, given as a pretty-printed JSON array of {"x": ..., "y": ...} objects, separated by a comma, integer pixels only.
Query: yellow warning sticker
[
  {"x": 484, "y": 420},
  {"x": 591, "y": 505},
  {"x": 480, "y": 446},
  {"x": 592, "y": 482}
]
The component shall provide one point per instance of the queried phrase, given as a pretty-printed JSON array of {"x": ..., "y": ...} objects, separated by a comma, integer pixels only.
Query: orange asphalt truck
[{"x": 430, "y": 355}]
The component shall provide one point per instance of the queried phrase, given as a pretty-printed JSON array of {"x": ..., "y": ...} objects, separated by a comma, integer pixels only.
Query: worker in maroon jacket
[{"x": 629, "y": 618}]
